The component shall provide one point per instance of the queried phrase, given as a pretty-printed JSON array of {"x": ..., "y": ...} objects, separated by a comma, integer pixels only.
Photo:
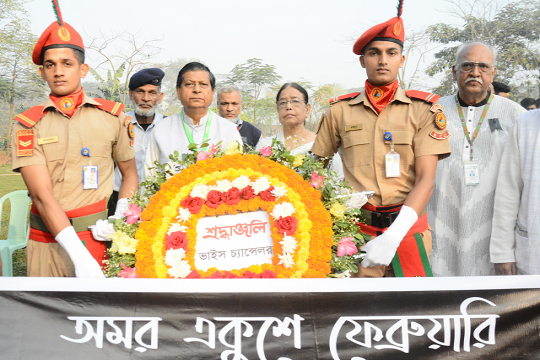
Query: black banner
[{"x": 346, "y": 319}]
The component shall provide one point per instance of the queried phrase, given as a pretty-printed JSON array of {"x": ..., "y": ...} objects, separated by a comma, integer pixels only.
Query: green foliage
[
  {"x": 254, "y": 79},
  {"x": 514, "y": 30},
  {"x": 111, "y": 88}
]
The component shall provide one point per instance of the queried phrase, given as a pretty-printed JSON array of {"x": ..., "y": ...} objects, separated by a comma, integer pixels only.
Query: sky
[{"x": 309, "y": 39}]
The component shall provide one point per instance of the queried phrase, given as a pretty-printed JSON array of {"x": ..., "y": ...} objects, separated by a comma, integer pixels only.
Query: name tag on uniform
[
  {"x": 47, "y": 140},
  {"x": 354, "y": 127},
  {"x": 393, "y": 168},
  {"x": 90, "y": 177},
  {"x": 472, "y": 172}
]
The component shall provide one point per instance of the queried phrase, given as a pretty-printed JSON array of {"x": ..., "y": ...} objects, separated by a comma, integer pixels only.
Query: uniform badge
[
  {"x": 67, "y": 104},
  {"x": 127, "y": 121},
  {"x": 438, "y": 136},
  {"x": 64, "y": 34},
  {"x": 436, "y": 108},
  {"x": 131, "y": 133},
  {"x": 377, "y": 94},
  {"x": 397, "y": 29},
  {"x": 25, "y": 142},
  {"x": 440, "y": 120}
]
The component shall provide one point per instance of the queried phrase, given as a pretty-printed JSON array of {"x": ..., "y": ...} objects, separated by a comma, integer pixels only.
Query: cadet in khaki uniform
[
  {"x": 60, "y": 147},
  {"x": 391, "y": 140}
]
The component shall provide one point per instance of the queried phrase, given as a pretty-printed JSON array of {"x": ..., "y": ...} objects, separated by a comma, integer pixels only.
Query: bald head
[{"x": 476, "y": 46}]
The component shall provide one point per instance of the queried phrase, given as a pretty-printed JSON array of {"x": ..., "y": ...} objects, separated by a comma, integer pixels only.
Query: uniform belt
[
  {"x": 382, "y": 219},
  {"x": 379, "y": 219},
  {"x": 80, "y": 223}
]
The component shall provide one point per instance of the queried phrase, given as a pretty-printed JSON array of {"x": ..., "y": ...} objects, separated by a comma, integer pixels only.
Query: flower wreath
[{"x": 300, "y": 225}]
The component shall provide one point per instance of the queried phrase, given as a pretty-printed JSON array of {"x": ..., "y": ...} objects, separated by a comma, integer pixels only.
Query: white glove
[
  {"x": 356, "y": 201},
  {"x": 121, "y": 207},
  {"x": 381, "y": 250},
  {"x": 102, "y": 230},
  {"x": 85, "y": 265}
]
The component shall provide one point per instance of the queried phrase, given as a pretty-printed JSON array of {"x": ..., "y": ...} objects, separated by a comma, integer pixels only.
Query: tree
[
  {"x": 254, "y": 79},
  {"x": 121, "y": 54},
  {"x": 320, "y": 102},
  {"x": 19, "y": 79},
  {"x": 513, "y": 29}
]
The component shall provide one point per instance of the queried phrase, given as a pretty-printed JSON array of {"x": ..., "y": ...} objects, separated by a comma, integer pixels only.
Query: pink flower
[
  {"x": 133, "y": 214},
  {"x": 266, "y": 151},
  {"x": 127, "y": 272},
  {"x": 202, "y": 155},
  {"x": 316, "y": 180},
  {"x": 213, "y": 150},
  {"x": 346, "y": 247}
]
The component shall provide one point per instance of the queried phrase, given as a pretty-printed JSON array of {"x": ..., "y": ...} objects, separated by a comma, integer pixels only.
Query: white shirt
[
  {"x": 169, "y": 135},
  {"x": 516, "y": 217},
  {"x": 142, "y": 139}
]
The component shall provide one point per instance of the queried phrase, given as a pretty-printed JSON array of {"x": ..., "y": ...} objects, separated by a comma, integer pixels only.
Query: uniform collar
[
  {"x": 86, "y": 100},
  {"x": 362, "y": 98}
]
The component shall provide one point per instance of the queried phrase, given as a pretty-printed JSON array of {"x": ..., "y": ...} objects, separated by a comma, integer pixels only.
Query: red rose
[
  {"x": 193, "y": 275},
  {"x": 248, "y": 193},
  {"x": 267, "y": 274},
  {"x": 176, "y": 240},
  {"x": 287, "y": 225},
  {"x": 193, "y": 204},
  {"x": 213, "y": 199},
  {"x": 231, "y": 197},
  {"x": 267, "y": 194},
  {"x": 250, "y": 275}
]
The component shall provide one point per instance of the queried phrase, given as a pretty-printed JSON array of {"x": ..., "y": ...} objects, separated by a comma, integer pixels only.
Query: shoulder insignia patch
[
  {"x": 438, "y": 136},
  {"x": 111, "y": 107},
  {"x": 436, "y": 108},
  {"x": 422, "y": 95},
  {"x": 25, "y": 142},
  {"x": 30, "y": 117},
  {"x": 440, "y": 120},
  {"x": 127, "y": 121},
  {"x": 131, "y": 133},
  {"x": 343, "y": 97}
]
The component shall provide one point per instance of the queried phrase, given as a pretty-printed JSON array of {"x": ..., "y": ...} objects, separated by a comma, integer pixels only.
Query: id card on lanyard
[
  {"x": 206, "y": 130},
  {"x": 471, "y": 167}
]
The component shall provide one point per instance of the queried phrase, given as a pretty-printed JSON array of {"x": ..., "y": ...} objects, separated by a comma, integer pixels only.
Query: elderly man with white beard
[
  {"x": 145, "y": 94},
  {"x": 461, "y": 207}
]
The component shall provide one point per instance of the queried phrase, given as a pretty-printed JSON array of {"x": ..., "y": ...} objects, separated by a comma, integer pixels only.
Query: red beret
[
  {"x": 392, "y": 30},
  {"x": 56, "y": 36}
]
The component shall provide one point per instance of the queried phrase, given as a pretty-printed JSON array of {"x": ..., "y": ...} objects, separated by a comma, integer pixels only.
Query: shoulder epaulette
[
  {"x": 30, "y": 117},
  {"x": 422, "y": 95},
  {"x": 343, "y": 97},
  {"x": 111, "y": 107}
]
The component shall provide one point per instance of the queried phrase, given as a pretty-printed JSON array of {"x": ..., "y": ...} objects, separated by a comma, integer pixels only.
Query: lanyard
[
  {"x": 206, "y": 130},
  {"x": 464, "y": 123}
]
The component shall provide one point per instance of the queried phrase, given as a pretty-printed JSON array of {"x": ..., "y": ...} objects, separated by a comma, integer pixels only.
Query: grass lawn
[{"x": 10, "y": 181}]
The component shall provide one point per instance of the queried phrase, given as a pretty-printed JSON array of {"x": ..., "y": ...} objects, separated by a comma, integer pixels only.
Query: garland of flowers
[{"x": 309, "y": 259}]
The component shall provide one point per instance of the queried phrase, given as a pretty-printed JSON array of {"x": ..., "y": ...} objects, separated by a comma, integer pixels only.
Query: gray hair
[
  {"x": 466, "y": 45},
  {"x": 227, "y": 89}
]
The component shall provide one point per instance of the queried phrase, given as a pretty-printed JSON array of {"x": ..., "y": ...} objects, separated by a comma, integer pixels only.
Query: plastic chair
[{"x": 18, "y": 230}]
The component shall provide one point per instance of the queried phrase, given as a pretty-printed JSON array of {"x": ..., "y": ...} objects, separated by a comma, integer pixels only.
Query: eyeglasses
[
  {"x": 468, "y": 66},
  {"x": 294, "y": 102}
]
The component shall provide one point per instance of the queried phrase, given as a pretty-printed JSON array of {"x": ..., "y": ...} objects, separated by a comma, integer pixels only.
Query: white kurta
[
  {"x": 516, "y": 217},
  {"x": 335, "y": 165},
  {"x": 169, "y": 135},
  {"x": 461, "y": 215}
]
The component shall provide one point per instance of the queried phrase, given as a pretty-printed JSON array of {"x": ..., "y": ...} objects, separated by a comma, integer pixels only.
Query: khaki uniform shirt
[
  {"x": 104, "y": 134},
  {"x": 355, "y": 126}
]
